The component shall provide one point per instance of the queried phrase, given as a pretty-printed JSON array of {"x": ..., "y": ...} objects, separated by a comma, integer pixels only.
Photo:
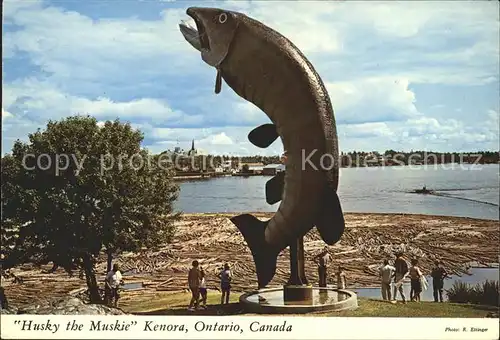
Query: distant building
[
  {"x": 251, "y": 165},
  {"x": 255, "y": 169},
  {"x": 226, "y": 165},
  {"x": 273, "y": 169},
  {"x": 193, "y": 151}
]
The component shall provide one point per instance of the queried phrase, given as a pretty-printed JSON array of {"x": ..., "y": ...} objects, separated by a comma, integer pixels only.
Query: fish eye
[{"x": 223, "y": 18}]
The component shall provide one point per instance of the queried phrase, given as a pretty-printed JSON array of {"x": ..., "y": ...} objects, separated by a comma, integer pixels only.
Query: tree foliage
[{"x": 76, "y": 189}]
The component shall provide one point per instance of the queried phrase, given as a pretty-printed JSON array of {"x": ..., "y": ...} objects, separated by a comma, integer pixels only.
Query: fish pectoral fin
[
  {"x": 263, "y": 136},
  {"x": 265, "y": 258},
  {"x": 218, "y": 82},
  {"x": 274, "y": 188},
  {"x": 330, "y": 222}
]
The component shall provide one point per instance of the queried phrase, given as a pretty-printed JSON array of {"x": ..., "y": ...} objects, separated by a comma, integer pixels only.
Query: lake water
[
  {"x": 465, "y": 190},
  {"x": 478, "y": 275}
]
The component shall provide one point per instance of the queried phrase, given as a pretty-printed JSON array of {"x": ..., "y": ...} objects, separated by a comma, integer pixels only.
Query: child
[
  {"x": 203, "y": 289},
  {"x": 194, "y": 285},
  {"x": 113, "y": 281},
  {"x": 225, "y": 284},
  {"x": 341, "y": 278},
  {"x": 415, "y": 277}
]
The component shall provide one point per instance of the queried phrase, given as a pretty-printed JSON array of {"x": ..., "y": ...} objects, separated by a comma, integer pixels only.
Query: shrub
[
  {"x": 460, "y": 292},
  {"x": 486, "y": 293}
]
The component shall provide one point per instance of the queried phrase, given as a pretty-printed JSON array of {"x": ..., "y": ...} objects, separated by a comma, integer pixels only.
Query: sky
[{"x": 401, "y": 75}]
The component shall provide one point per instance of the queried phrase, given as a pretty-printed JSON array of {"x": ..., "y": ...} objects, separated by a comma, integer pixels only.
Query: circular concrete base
[
  {"x": 272, "y": 301},
  {"x": 302, "y": 294}
]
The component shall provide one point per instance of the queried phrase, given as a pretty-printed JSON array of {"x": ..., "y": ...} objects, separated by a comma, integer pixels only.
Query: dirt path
[{"x": 213, "y": 240}]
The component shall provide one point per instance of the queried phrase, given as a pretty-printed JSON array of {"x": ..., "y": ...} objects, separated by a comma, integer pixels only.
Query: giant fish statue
[{"x": 267, "y": 69}]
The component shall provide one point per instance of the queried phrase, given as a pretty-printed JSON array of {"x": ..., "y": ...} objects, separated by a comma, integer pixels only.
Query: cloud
[
  {"x": 402, "y": 20},
  {"x": 5, "y": 114},
  {"x": 365, "y": 130},
  {"x": 394, "y": 71},
  {"x": 372, "y": 100},
  {"x": 72, "y": 47},
  {"x": 220, "y": 139},
  {"x": 40, "y": 99},
  {"x": 493, "y": 119},
  {"x": 14, "y": 128},
  {"x": 422, "y": 133}
]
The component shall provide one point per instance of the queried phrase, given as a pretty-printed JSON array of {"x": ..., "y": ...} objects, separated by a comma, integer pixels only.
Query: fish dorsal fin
[
  {"x": 218, "y": 82},
  {"x": 263, "y": 136},
  {"x": 274, "y": 188},
  {"x": 330, "y": 221}
]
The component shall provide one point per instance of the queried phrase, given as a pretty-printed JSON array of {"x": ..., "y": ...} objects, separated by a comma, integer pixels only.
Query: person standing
[
  {"x": 113, "y": 281},
  {"x": 386, "y": 273},
  {"x": 438, "y": 274},
  {"x": 341, "y": 278},
  {"x": 415, "y": 277},
  {"x": 399, "y": 275},
  {"x": 203, "y": 289},
  {"x": 194, "y": 278},
  {"x": 225, "y": 284},
  {"x": 323, "y": 259}
]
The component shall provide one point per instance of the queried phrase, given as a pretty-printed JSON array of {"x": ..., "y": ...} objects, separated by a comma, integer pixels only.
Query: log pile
[{"x": 213, "y": 240}]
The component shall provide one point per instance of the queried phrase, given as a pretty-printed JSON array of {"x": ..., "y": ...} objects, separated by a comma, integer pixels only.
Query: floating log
[{"x": 213, "y": 240}]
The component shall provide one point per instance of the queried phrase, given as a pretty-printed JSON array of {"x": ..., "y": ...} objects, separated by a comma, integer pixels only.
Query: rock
[
  {"x": 66, "y": 306},
  {"x": 9, "y": 310}
]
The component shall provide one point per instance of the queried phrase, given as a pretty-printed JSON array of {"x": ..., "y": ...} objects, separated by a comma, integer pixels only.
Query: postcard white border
[{"x": 241, "y": 327}]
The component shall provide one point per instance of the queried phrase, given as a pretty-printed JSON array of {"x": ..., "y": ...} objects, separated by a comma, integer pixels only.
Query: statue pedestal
[{"x": 298, "y": 294}]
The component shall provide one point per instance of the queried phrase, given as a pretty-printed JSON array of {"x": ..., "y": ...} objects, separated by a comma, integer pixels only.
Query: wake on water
[
  {"x": 440, "y": 194},
  {"x": 463, "y": 198}
]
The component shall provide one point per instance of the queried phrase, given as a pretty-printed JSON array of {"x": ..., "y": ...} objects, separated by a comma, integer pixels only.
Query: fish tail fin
[{"x": 253, "y": 231}]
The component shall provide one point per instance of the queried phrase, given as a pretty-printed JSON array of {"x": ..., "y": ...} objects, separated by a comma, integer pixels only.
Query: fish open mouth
[{"x": 197, "y": 37}]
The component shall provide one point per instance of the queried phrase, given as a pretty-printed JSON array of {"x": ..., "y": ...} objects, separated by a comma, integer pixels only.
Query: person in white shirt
[
  {"x": 113, "y": 281},
  {"x": 225, "y": 284},
  {"x": 203, "y": 289},
  {"x": 386, "y": 273}
]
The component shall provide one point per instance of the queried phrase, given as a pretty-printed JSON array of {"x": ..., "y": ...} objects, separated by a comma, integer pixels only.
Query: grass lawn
[{"x": 175, "y": 303}]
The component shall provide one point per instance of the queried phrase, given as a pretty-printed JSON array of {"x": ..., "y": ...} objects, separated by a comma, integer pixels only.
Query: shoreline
[
  {"x": 212, "y": 239},
  {"x": 271, "y": 213}
]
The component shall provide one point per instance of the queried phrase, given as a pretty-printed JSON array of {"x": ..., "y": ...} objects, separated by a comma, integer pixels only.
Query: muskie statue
[{"x": 265, "y": 68}]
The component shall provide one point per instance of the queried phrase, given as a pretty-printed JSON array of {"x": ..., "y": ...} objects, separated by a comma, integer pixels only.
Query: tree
[{"x": 77, "y": 189}]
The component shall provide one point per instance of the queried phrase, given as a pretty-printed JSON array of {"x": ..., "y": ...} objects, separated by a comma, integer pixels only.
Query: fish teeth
[{"x": 189, "y": 23}]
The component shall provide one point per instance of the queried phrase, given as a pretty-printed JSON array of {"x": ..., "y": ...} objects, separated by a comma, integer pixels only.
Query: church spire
[{"x": 192, "y": 146}]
